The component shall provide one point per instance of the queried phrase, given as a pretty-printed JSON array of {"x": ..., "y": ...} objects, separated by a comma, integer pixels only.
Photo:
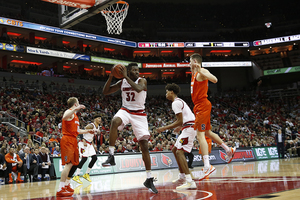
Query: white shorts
[
  {"x": 86, "y": 151},
  {"x": 139, "y": 124},
  {"x": 185, "y": 140}
]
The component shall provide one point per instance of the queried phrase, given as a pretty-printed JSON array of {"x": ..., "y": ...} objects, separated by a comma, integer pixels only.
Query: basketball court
[{"x": 270, "y": 179}]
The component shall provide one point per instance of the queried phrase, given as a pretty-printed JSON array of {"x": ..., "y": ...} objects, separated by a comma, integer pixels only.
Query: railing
[{"x": 12, "y": 122}]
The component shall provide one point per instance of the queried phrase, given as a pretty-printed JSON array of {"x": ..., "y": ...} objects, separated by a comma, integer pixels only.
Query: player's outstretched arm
[
  {"x": 177, "y": 123},
  {"x": 108, "y": 88},
  {"x": 85, "y": 131},
  {"x": 206, "y": 75},
  {"x": 68, "y": 114}
]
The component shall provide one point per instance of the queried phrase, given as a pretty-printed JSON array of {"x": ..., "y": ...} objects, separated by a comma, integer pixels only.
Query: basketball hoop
[{"x": 114, "y": 16}]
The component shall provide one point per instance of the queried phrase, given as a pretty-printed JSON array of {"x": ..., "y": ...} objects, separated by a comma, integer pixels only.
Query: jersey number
[{"x": 130, "y": 96}]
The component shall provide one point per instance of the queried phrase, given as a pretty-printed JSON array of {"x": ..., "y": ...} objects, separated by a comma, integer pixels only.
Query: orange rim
[{"x": 118, "y": 11}]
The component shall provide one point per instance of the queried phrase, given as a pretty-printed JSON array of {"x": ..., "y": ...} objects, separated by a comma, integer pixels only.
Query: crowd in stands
[{"x": 241, "y": 120}]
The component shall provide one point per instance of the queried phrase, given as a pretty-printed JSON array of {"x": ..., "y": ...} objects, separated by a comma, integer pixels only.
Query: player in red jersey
[
  {"x": 202, "y": 110},
  {"x": 69, "y": 147}
]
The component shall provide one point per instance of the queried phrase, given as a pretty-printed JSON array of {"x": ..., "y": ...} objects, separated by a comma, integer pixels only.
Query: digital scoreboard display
[
  {"x": 216, "y": 44},
  {"x": 161, "y": 44}
]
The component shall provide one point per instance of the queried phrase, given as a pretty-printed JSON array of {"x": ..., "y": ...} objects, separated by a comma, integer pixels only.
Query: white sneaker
[
  {"x": 187, "y": 185},
  {"x": 179, "y": 180},
  {"x": 230, "y": 155},
  {"x": 207, "y": 172}
]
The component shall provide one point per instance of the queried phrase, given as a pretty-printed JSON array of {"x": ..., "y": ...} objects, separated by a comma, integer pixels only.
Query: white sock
[
  {"x": 61, "y": 185},
  {"x": 206, "y": 161},
  {"x": 148, "y": 172},
  {"x": 225, "y": 147},
  {"x": 181, "y": 175},
  {"x": 188, "y": 178},
  {"x": 77, "y": 172},
  {"x": 111, "y": 150},
  {"x": 88, "y": 170},
  {"x": 67, "y": 182}
]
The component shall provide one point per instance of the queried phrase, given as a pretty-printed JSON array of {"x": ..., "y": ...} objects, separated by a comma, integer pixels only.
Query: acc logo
[
  {"x": 166, "y": 160},
  {"x": 260, "y": 152},
  {"x": 273, "y": 151}
]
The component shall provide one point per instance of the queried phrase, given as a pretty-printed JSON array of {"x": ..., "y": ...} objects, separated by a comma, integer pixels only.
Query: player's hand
[
  {"x": 160, "y": 129},
  {"x": 80, "y": 107},
  {"x": 123, "y": 71},
  {"x": 177, "y": 129}
]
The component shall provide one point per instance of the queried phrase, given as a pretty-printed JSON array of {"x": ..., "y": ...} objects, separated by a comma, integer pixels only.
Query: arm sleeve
[{"x": 177, "y": 107}]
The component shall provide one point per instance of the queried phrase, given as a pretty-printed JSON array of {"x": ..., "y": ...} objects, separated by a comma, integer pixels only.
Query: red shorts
[
  {"x": 69, "y": 150},
  {"x": 202, "y": 113}
]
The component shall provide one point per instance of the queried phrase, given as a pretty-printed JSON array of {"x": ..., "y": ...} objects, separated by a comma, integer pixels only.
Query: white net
[{"x": 114, "y": 16}]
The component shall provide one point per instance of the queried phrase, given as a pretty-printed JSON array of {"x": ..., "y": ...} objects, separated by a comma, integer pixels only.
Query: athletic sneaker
[
  {"x": 68, "y": 188},
  {"x": 110, "y": 161},
  {"x": 64, "y": 193},
  {"x": 179, "y": 180},
  {"x": 187, "y": 185},
  {"x": 149, "y": 184},
  {"x": 230, "y": 155},
  {"x": 207, "y": 172},
  {"x": 87, "y": 177},
  {"x": 77, "y": 179}
]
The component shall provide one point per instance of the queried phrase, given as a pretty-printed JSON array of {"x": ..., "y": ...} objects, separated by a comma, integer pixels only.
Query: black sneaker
[
  {"x": 110, "y": 161},
  {"x": 149, "y": 184}
]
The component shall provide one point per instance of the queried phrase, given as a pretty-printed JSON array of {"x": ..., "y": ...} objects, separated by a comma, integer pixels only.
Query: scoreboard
[{"x": 216, "y": 44}]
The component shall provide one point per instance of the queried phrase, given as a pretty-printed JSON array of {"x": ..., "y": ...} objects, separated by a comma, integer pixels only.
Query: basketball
[{"x": 116, "y": 71}]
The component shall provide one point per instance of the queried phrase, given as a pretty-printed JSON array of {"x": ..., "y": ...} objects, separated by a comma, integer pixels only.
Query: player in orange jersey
[
  {"x": 69, "y": 146},
  {"x": 202, "y": 110}
]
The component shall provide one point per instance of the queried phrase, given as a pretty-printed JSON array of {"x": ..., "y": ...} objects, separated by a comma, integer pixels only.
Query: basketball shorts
[
  {"x": 185, "y": 140},
  {"x": 138, "y": 122},
  {"x": 86, "y": 151},
  {"x": 202, "y": 114},
  {"x": 69, "y": 150},
  {"x": 209, "y": 143}
]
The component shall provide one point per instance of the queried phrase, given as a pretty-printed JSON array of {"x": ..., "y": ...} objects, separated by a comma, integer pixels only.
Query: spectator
[
  {"x": 53, "y": 139},
  {"x": 129, "y": 149},
  {"x": 45, "y": 164},
  {"x": 158, "y": 147},
  {"x": 120, "y": 149},
  {"x": 56, "y": 152},
  {"x": 101, "y": 151},
  {"x": 30, "y": 163}
]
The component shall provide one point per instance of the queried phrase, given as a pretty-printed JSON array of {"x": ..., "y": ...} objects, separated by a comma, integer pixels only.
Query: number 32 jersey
[{"x": 131, "y": 99}]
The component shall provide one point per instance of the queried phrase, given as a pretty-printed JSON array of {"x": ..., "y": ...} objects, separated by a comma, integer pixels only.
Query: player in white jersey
[
  {"x": 134, "y": 94},
  {"x": 185, "y": 120},
  {"x": 86, "y": 149}
]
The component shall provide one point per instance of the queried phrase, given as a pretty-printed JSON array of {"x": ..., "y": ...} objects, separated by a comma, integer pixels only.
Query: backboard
[{"x": 70, "y": 16}]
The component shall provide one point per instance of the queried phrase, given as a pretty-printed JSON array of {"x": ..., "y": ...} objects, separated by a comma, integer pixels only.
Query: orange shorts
[
  {"x": 202, "y": 113},
  {"x": 69, "y": 150},
  {"x": 209, "y": 142}
]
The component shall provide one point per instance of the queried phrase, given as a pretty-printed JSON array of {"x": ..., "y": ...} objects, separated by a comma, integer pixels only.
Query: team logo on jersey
[
  {"x": 166, "y": 160},
  {"x": 82, "y": 150},
  {"x": 184, "y": 141}
]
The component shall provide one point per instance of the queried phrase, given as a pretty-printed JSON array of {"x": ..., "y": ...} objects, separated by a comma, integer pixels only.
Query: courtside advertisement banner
[
  {"x": 12, "y": 47},
  {"x": 58, "y": 54},
  {"x": 262, "y": 153},
  {"x": 66, "y": 32},
  {"x": 216, "y": 44},
  {"x": 111, "y": 61}
]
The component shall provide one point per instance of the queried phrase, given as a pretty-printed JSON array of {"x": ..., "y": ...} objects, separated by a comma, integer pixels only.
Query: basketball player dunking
[
  {"x": 69, "y": 147},
  {"x": 185, "y": 120},
  {"x": 86, "y": 149},
  {"x": 202, "y": 110},
  {"x": 134, "y": 94}
]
